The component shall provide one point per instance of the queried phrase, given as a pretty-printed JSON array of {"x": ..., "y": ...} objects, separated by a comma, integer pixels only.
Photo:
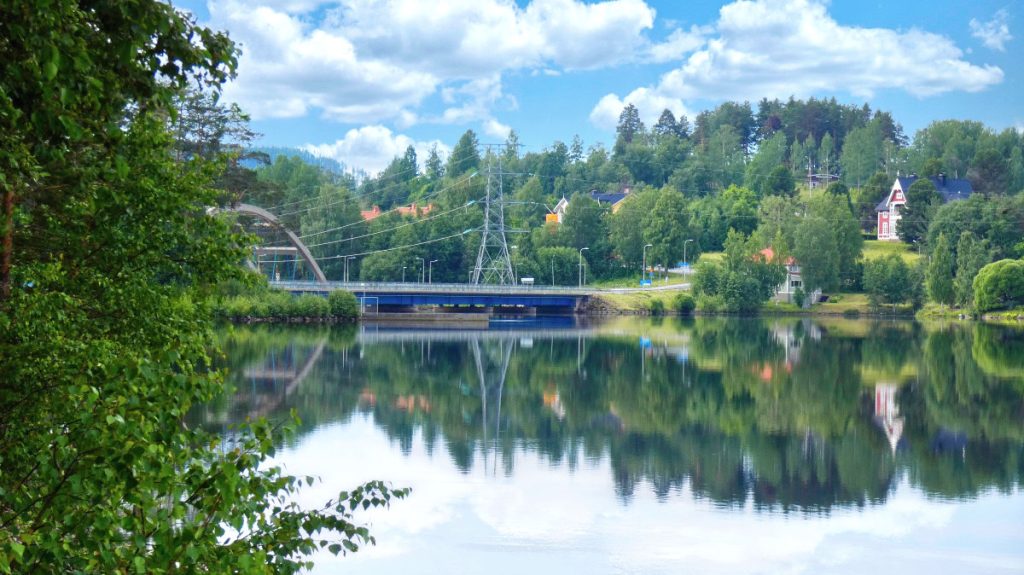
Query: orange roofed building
[
  {"x": 410, "y": 210},
  {"x": 794, "y": 280}
]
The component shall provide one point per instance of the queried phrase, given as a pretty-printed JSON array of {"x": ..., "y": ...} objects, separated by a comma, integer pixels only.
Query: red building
[{"x": 889, "y": 208}]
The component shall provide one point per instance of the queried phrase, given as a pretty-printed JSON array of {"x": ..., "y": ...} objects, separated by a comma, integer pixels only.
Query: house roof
[
  {"x": 769, "y": 255},
  {"x": 608, "y": 198},
  {"x": 951, "y": 189}
]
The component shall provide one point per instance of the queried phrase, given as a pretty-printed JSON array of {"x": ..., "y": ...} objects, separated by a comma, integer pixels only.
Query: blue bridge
[{"x": 404, "y": 295}]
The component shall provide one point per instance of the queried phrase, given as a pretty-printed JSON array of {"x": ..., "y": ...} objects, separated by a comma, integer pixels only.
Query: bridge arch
[{"x": 256, "y": 211}]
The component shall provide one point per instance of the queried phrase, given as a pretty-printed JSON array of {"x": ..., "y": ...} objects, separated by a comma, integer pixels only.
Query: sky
[{"x": 361, "y": 80}]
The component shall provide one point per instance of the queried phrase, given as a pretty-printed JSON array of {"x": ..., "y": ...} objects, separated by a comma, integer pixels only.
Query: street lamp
[
  {"x": 430, "y": 273},
  {"x": 346, "y": 266},
  {"x": 643, "y": 270},
  {"x": 685, "y": 261},
  {"x": 421, "y": 268},
  {"x": 581, "y": 265},
  {"x": 403, "y": 273},
  {"x": 552, "y": 271}
]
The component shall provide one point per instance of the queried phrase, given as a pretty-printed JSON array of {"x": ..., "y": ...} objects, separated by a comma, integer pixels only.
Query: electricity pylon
[{"x": 493, "y": 262}]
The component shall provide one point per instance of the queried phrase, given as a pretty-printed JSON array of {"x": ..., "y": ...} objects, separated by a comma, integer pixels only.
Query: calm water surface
[{"x": 638, "y": 446}]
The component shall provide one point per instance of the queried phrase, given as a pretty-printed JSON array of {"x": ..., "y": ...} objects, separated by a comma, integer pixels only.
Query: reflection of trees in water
[{"x": 777, "y": 413}]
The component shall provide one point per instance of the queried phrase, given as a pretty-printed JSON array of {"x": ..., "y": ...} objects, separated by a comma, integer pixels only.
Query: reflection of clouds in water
[{"x": 476, "y": 521}]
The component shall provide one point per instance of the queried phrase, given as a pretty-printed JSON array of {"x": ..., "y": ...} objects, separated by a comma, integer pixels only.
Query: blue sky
[{"x": 360, "y": 80}]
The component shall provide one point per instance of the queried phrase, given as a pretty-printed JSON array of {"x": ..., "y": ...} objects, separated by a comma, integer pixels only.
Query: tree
[
  {"x": 827, "y": 244},
  {"x": 630, "y": 128},
  {"x": 562, "y": 262},
  {"x": 868, "y": 196},
  {"x": 862, "y": 154},
  {"x": 667, "y": 228},
  {"x": 780, "y": 182},
  {"x": 989, "y": 172},
  {"x": 972, "y": 254},
  {"x": 887, "y": 280},
  {"x": 922, "y": 201},
  {"x": 666, "y": 125},
  {"x": 743, "y": 283},
  {"x": 434, "y": 167},
  {"x": 999, "y": 285},
  {"x": 817, "y": 253},
  {"x": 627, "y": 226},
  {"x": 465, "y": 156},
  {"x": 940, "y": 273},
  {"x": 108, "y": 258},
  {"x": 770, "y": 155}
]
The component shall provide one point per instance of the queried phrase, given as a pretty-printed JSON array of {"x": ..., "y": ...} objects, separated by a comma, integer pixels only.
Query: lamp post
[
  {"x": 581, "y": 265},
  {"x": 643, "y": 270},
  {"x": 347, "y": 258},
  {"x": 403, "y": 273},
  {"x": 552, "y": 271},
  {"x": 512, "y": 261},
  {"x": 686, "y": 261},
  {"x": 422, "y": 265},
  {"x": 430, "y": 272}
]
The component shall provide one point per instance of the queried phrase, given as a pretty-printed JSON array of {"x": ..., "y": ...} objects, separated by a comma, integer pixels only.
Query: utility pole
[{"x": 493, "y": 262}]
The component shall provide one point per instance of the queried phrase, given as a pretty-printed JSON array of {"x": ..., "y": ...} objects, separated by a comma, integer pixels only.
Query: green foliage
[
  {"x": 922, "y": 203},
  {"x": 971, "y": 256},
  {"x": 105, "y": 337},
  {"x": 760, "y": 170},
  {"x": 888, "y": 280},
  {"x": 999, "y": 285},
  {"x": 343, "y": 304},
  {"x": 743, "y": 284},
  {"x": 799, "y": 297},
  {"x": 998, "y": 219},
  {"x": 656, "y": 307},
  {"x": 627, "y": 226},
  {"x": 862, "y": 154},
  {"x": 684, "y": 303},
  {"x": 309, "y": 305},
  {"x": 940, "y": 273},
  {"x": 817, "y": 252},
  {"x": 667, "y": 227}
]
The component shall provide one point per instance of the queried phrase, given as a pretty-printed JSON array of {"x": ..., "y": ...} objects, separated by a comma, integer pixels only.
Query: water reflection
[{"x": 781, "y": 415}]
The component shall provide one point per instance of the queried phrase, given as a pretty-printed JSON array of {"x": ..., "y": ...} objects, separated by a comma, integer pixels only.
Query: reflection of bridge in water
[
  {"x": 371, "y": 336},
  {"x": 283, "y": 374}
]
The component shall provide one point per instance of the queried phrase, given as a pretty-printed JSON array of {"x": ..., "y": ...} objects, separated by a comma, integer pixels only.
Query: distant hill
[{"x": 326, "y": 164}]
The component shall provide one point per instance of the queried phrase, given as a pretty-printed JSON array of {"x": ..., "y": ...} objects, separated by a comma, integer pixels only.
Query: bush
[
  {"x": 999, "y": 285},
  {"x": 279, "y": 303},
  {"x": 684, "y": 303},
  {"x": 799, "y": 297},
  {"x": 238, "y": 306},
  {"x": 343, "y": 304},
  {"x": 656, "y": 307},
  {"x": 309, "y": 305},
  {"x": 711, "y": 303}
]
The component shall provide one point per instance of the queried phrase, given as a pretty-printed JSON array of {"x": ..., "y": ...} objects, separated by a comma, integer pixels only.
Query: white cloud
[
  {"x": 367, "y": 61},
  {"x": 371, "y": 148},
  {"x": 496, "y": 129},
  {"x": 993, "y": 34},
  {"x": 650, "y": 103},
  {"x": 778, "y": 48},
  {"x": 679, "y": 43}
]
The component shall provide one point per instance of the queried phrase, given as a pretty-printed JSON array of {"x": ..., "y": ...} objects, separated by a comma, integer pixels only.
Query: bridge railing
[{"x": 398, "y": 287}]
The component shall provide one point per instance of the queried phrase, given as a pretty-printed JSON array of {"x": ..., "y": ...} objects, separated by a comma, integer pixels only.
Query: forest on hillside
[{"x": 800, "y": 176}]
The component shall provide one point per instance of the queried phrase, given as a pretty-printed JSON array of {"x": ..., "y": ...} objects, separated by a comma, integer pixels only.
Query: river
[{"x": 712, "y": 445}]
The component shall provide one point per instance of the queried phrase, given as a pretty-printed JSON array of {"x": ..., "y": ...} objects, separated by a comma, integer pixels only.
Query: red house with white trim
[{"x": 888, "y": 209}]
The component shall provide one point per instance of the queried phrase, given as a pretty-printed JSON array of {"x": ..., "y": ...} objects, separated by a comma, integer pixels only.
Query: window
[
  {"x": 796, "y": 284},
  {"x": 885, "y": 228}
]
